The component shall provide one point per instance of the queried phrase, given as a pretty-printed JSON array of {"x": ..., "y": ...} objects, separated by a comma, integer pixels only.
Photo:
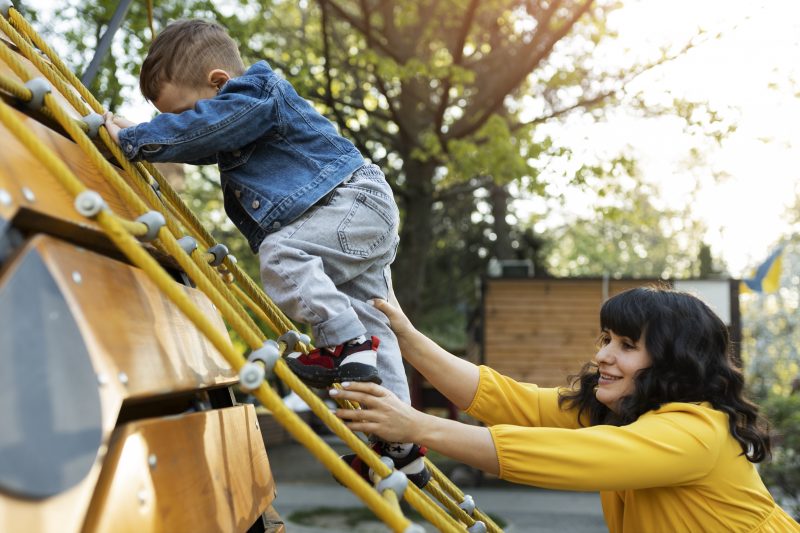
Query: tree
[
  {"x": 434, "y": 91},
  {"x": 627, "y": 235}
]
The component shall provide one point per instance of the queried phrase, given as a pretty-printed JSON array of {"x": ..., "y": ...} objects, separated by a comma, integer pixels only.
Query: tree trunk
[
  {"x": 416, "y": 235},
  {"x": 499, "y": 198}
]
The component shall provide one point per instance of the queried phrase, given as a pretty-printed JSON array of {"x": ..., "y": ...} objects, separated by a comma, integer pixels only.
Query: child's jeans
[{"x": 323, "y": 267}]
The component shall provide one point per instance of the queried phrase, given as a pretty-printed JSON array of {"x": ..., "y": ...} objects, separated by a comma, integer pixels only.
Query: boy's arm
[
  {"x": 221, "y": 124},
  {"x": 116, "y": 123}
]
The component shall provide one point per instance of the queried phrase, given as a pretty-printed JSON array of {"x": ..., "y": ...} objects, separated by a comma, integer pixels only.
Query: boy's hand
[
  {"x": 113, "y": 129},
  {"x": 116, "y": 123}
]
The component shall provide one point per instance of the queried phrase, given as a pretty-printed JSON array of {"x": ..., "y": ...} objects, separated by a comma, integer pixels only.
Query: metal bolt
[
  {"x": 28, "y": 194},
  {"x": 142, "y": 495},
  {"x": 76, "y": 276},
  {"x": 152, "y": 460},
  {"x": 5, "y": 198},
  {"x": 123, "y": 378},
  {"x": 102, "y": 379}
]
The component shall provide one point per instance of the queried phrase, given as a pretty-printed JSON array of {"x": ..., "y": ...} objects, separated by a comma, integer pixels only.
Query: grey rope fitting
[
  {"x": 154, "y": 222},
  {"x": 414, "y": 528},
  {"x": 396, "y": 482},
  {"x": 188, "y": 244},
  {"x": 477, "y": 527},
  {"x": 219, "y": 251},
  {"x": 89, "y": 203},
  {"x": 5, "y": 6},
  {"x": 251, "y": 376},
  {"x": 467, "y": 504},
  {"x": 268, "y": 354},
  {"x": 290, "y": 339},
  {"x": 94, "y": 121},
  {"x": 156, "y": 187},
  {"x": 259, "y": 364},
  {"x": 38, "y": 88}
]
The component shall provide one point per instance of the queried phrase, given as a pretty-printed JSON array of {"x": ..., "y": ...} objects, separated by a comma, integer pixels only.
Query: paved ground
[{"x": 303, "y": 483}]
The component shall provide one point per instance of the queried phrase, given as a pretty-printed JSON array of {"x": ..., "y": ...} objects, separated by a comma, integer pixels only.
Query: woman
[{"x": 659, "y": 423}]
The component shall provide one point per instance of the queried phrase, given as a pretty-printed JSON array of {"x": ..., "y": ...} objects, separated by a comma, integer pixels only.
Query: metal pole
[{"x": 105, "y": 41}]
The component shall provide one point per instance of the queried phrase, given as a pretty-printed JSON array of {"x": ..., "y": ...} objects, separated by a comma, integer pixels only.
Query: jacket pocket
[
  {"x": 245, "y": 206},
  {"x": 230, "y": 160}
]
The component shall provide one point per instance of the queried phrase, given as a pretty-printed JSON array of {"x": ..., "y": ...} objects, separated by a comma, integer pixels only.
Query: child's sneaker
[
  {"x": 412, "y": 464},
  {"x": 345, "y": 362}
]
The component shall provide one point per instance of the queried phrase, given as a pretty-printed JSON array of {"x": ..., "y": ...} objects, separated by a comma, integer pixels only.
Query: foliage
[
  {"x": 771, "y": 331},
  {"x": 783, "y": 471},
  {"x": 627, "y": 235},
  {"x": 439, "y": 93}
]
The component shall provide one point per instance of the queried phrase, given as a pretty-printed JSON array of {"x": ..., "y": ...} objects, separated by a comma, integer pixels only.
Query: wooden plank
[
  {"x": 38, "y": 201},
  {"x": 201, "y": 472},
  {"x": 7, "y": 72},
  {"x": 541, "y": 331},
  {"x": 133, "y": 327}
]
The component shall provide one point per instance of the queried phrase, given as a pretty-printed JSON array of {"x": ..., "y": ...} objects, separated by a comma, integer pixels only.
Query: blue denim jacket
[{"x": 277, "y": 155}]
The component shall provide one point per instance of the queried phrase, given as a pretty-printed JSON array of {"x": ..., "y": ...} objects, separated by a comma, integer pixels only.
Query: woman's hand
[
  {"x": 399, "y": 322},
  {"x": 382, "y": 413}
]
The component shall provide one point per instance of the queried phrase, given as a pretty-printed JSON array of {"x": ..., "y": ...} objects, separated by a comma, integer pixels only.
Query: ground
[{"x": 304, "y": 484}]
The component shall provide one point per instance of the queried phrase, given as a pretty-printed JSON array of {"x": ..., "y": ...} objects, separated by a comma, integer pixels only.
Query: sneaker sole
[
  {"x": 312, "y": 376},
  {"x": 358, "y": 372}
]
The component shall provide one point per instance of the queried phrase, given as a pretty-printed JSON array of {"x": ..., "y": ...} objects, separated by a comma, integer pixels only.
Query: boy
[{"x": 322, "y": 220}]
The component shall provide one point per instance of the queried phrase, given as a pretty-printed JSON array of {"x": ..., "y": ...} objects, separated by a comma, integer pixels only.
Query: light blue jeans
[{"x": 322, "y": 268}]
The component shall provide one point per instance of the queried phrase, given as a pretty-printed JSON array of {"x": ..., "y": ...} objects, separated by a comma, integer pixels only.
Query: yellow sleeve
[
  {"x": 501, "y": 400},
  {"x": 674, "y": 445}
]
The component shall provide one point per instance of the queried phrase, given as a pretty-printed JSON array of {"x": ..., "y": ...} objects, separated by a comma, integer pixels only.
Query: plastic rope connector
[
  {"x": 477, "y": 527},
  {"x": 219, "y": 251},
  {"x": 259, "y": 364},
  {"x": 251, "y": 376},
  {"x": 396, "y": 482},
  {"x": 38, "y": 88},
  {"x": 154, "y": 222},
  {"x": 290, "y": 339},
  {"x": 467, "y": 504},
  {"x": 268, "y": 354},
  {"x": 188, "y": 244},
  {"x": 5, "y": 6},
  {"x": 94, "y": 121},
  {"x": 89, "y": 203}
]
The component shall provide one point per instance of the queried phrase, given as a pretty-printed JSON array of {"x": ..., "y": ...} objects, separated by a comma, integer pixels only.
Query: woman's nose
[{"x": 605, "y": 355}]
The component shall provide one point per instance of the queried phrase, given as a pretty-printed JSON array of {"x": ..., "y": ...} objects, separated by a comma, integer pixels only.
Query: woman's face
[{"x": 618, "y": 359}]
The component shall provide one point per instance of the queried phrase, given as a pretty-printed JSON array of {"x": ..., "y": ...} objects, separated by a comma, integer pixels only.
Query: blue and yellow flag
[{"x": 767, "y": 276}]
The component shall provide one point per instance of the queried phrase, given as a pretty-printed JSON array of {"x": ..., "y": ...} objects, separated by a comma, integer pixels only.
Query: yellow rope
[{"x": 199, "y": 271}]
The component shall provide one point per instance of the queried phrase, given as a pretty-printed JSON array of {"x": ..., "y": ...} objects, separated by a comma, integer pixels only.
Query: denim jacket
[{"x": 277, "y": 155}]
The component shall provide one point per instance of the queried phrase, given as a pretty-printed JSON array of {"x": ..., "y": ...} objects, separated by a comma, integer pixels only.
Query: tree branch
[{"x": 540, "y": 51}]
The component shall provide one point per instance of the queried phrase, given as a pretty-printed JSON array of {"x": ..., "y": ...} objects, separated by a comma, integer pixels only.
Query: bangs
[{"x": 626, "y": 314}]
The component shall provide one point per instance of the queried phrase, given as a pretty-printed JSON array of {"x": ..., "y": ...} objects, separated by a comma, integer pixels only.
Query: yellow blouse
[{"x": 675, "y": 469}]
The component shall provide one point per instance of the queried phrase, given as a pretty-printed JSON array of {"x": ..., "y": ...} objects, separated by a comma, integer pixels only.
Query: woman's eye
[{"x": 603, "y": 339}]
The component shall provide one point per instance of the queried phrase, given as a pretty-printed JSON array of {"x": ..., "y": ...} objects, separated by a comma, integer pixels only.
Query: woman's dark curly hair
[{"x": 690, "y": 350}]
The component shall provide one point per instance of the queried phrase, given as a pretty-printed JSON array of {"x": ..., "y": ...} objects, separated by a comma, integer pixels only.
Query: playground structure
[{"x": 116, "y": 368}]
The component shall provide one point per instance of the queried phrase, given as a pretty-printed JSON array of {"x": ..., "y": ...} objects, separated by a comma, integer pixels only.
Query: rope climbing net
[{"x": 169, "y": 226}]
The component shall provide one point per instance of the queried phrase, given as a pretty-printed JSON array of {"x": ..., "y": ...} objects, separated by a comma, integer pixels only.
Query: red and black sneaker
[
  {"x": 345, "y": 362},
  {"x": 411, "y": 464}
]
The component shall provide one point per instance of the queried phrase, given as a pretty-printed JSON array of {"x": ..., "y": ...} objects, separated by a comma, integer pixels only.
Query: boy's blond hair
[{"x": 184, "y": 53}]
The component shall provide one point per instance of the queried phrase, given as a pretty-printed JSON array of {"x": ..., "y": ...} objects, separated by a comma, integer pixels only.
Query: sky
[{"x": 752, "y": 72}]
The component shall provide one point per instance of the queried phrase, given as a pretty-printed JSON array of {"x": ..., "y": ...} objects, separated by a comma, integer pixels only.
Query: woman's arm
[
  {"x": 454, "y": 377},
  {"x": 384, "y": 415}
]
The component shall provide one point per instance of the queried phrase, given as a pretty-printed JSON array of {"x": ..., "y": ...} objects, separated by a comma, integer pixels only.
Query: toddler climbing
[{"x": 322, "y": 219}]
